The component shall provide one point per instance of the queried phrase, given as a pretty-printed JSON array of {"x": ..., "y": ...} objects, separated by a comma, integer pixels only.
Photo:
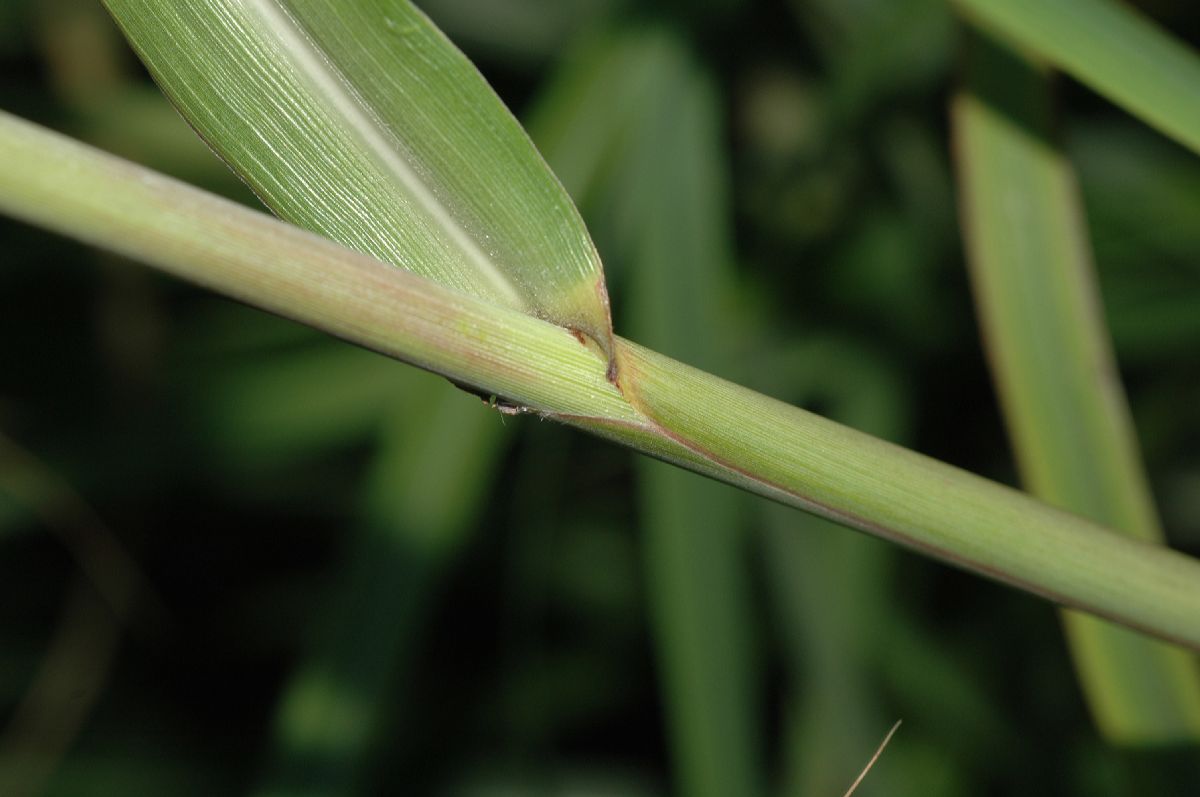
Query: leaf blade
[
  {"x": 1051, "y": 359},
  {"x": 362, "y": 122}
]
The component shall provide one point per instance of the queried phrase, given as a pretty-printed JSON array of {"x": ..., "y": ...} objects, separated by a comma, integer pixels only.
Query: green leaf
[
  {"x": 1110, "y": 47},
  {"x": 360, "y": 121},
  {"x": 1055, "y": 372}
]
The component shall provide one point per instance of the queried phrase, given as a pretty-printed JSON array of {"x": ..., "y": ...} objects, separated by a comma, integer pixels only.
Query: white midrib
[{"x": 306, "y": 56}]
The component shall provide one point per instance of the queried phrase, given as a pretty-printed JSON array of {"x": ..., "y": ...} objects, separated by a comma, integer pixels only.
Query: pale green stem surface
[
  {"x": 1112, "y": 48},
  {"x": 661, "y": 407},
  {"x": 1051, "y": 357}
]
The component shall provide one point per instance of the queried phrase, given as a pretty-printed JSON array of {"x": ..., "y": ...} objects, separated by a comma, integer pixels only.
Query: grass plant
[{"x": 417, "y": 219}]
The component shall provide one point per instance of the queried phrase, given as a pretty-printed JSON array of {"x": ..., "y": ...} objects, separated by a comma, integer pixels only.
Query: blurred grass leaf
[
  {"x": 635, "y": 112},
  {"x": 1111, "y": 47},
  {"x": 1055, "y": 373},
  {"x": 360, "y": 120}
]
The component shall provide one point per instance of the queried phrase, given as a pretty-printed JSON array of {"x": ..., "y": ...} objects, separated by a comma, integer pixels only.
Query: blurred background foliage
[{"x": 237, "y": 557}]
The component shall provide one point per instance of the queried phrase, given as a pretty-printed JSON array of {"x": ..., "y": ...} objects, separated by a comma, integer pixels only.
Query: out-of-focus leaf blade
[
  {"x": 361, "y": 121},
  {"x": 1055, "y": 372},
  {"x": 672, "y": 236},
  {"x": 1111, "y": 47}
]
